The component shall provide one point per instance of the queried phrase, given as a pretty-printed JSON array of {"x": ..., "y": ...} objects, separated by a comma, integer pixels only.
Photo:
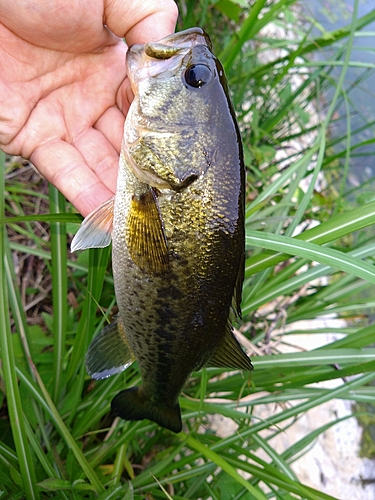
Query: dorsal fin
[{"x": 237, "y": 293}]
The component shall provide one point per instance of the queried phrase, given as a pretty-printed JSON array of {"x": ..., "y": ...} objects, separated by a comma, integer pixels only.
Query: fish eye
[{"x": 198, "y": 75}]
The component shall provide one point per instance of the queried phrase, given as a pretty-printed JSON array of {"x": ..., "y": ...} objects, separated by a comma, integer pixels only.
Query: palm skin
[{"x": 64, "y": 92}]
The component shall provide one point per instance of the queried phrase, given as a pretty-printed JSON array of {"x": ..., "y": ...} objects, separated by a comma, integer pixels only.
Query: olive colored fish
[{"x": 178, "y": 229}]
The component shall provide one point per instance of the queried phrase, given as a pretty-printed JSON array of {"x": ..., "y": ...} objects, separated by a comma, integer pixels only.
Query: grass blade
[
  {"x": 225, "y": 466},
  {"x": 59, "y": 287},
  {"x": 45, "y": 400},
  {"x": 328, "y": 231},
  {"x": 9, "y": 367},
  {"x": 312, "y": 252}
]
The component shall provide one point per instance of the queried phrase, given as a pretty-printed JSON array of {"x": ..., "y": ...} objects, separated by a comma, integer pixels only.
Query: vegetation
[{"x": 310, "y": 253}]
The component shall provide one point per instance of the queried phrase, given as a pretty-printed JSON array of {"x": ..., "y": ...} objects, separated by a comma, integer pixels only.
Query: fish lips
[{"x": 164, "y": 57}]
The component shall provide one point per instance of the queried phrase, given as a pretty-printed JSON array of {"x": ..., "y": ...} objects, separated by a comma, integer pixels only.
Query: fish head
[{"x": 179, "y": 94}]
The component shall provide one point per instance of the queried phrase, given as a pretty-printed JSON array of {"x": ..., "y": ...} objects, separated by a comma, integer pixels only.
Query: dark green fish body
[{"x": 178, "y": 229}]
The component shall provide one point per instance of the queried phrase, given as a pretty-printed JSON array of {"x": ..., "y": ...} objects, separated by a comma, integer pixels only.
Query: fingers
[
  {"x": 141, "y": 22},
  {"x": 111, "y": 125},
  {"x": 69, "y": 169},
  {"x": 73, "y": 26},
  {"x": 14, "y": 111},
  {"x": 124, "y": 96},
  {"x": 100, "y": 156}
]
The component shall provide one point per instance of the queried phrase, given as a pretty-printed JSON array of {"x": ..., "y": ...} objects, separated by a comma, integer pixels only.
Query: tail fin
[{"x": 131, "y": 404}]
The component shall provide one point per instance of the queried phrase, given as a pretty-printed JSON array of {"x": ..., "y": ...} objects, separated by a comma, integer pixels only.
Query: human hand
[{"x": 64, "y": 90}]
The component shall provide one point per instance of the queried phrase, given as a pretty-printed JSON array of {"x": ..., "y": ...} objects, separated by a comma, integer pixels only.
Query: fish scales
[{"x": 178, "y": 229}]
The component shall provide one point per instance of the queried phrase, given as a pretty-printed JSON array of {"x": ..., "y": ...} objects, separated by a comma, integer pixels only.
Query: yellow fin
[
  {"x": 229, "y": 354},
  {"x": 109, "y": 352},
  {"x": 96, "y": 229},
  {"x": 146, "y": 240}
]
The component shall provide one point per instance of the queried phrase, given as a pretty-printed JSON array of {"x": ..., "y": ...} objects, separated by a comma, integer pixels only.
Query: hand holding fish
[{"x": 64, "y": 89}]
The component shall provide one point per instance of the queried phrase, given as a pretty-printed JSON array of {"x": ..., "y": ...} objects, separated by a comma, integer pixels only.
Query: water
[{"x": 359, "y": 85}]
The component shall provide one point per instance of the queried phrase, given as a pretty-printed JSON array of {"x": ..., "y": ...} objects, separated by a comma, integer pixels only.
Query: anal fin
[
  {"x": 229, "y": 354},
  {"x": 109, "y": 352}
]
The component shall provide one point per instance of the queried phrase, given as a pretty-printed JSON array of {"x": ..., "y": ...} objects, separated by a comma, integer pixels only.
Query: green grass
[{"x": 57, "y": 439}]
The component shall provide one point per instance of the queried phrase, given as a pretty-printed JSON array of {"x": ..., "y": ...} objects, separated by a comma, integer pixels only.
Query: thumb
[{"x": 141, "y": 21}]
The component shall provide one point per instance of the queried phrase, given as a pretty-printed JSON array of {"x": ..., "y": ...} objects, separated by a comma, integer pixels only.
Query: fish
[{"x": 176, "y": 224}]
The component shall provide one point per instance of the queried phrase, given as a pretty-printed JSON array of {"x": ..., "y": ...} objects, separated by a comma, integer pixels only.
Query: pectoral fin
[
  {"x": 109, "y": 352},
  {"x": 146, "y": 240},
  {"x": 229, "y": 354},
  {"x": 96, "y": 229}
]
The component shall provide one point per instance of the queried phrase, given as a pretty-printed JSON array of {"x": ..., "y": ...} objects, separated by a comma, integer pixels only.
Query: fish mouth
[
  {"x": 162, "y": 57},
  {"x": 172, "y": 44}
]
